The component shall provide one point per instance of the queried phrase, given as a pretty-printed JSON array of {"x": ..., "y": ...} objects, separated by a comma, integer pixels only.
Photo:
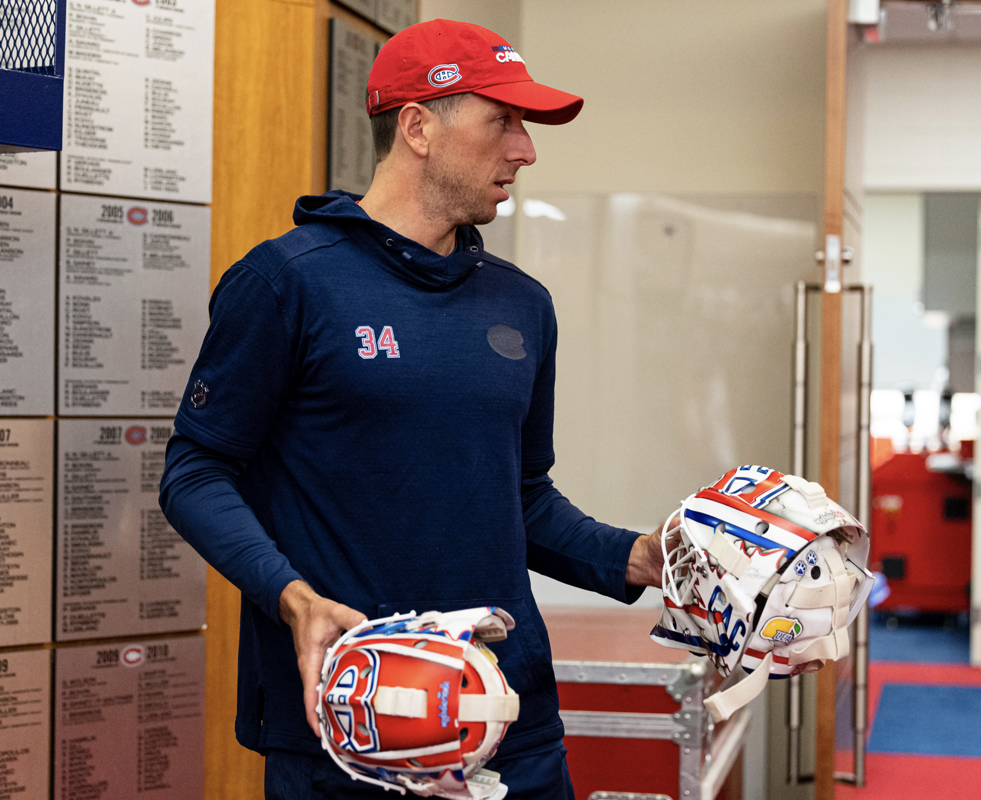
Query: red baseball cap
[{"x": 442, "y": 57}]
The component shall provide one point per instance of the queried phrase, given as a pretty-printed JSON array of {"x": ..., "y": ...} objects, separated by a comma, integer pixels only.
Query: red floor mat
[
  {"x": 890, "y": 777},
  {"x": 896, "y": 777}
]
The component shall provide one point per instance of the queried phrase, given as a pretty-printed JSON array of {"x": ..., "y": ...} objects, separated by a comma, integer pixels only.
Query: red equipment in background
[
  {"x": 616, "y": 758},
  {"x": 921, "y": 533}
]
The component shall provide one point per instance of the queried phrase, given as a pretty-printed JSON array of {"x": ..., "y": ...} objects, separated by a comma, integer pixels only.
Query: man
[{"x": 368, "y": 427}]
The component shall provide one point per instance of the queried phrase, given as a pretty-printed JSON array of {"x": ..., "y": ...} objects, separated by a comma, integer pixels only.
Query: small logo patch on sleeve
[{"x": 199, "y": 394}]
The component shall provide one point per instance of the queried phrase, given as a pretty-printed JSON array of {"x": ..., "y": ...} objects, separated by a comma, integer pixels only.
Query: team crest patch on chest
[{"x": 506, "y": 342}]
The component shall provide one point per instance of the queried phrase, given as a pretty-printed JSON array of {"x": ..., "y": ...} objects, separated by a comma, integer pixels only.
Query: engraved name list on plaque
[
  {"x": 129, "y": 720},
  {"x": 27, "y": 302},
  {"x": 351, "y": 152},
  {"x": 29, "y": 171},
  {"x": 395, "y": 15},
  {"x": 121, "y": 568},
  {"x": 25, "y": 724},
  {"x": 138, "y": 98},
  {"x": 26, "y": 509},
  {"x": 389, "y": 15},
  {"x": 133, "y": 281}
]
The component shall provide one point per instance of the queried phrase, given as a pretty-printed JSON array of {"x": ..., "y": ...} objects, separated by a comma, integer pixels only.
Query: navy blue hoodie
[{"x": 376, "y": 419}]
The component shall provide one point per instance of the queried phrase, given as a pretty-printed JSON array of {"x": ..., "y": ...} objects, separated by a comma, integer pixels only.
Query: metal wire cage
[
  {"x": 32, "y": 66},
  {"x": 28, "y": 36}
]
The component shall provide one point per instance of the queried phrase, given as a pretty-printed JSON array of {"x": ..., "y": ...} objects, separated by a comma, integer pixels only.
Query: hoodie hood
[{"x": 402, "y": 257}]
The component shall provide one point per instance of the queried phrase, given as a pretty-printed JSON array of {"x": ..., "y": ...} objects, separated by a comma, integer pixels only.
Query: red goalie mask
[{"x": 418, "y": 702}]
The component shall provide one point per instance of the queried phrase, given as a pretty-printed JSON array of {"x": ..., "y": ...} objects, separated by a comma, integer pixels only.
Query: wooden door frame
[{"x": 830, "y": 414}]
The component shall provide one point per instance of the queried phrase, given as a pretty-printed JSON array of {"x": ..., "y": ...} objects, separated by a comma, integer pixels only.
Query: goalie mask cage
[{"x": 32, "y": 69}]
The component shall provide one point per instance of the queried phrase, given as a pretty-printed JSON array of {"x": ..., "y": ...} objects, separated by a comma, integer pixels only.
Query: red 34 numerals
[{"x": 370, "y": 346}]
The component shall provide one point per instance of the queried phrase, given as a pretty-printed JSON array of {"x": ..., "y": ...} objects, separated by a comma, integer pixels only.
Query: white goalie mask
[{"x": 762, "y": 571}]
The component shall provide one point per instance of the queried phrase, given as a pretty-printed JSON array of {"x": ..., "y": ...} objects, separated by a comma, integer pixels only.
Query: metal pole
[
  {"x": 863, "y": 487},
  {"x": 800, "y": 380},
  {"x": 799, "y": 453},
  {"x": 864, "y": 493}
]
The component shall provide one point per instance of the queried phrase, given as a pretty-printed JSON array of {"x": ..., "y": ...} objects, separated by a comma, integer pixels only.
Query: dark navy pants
[{"x": 538, "y": 774}]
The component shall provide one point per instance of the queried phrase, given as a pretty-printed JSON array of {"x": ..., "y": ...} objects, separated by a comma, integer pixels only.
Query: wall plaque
[
  {"x": 121, "y": 569},
  {"x": 129, "y": 720},
  {"x": 26, "y": 512},
  {"x": 27, "y": 302},
  {"x": 134, "y": 278},
  {"x": 351, "y": 156},
  {"x": 29, "y": 170},
  {"x": 394, "y": 15},
  {"x": 138, "y": 98},
  {"x": 25, "y": 724}
]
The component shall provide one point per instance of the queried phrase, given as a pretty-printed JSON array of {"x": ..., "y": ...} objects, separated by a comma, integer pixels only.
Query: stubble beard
[{"x": 451, "y": 197}]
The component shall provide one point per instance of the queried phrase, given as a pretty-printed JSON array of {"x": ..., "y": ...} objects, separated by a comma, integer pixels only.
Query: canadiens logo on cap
[{"x": 444, "y": 75}]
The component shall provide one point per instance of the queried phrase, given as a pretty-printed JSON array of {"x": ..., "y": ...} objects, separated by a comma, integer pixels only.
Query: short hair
[{"x": 385, "y": 124}]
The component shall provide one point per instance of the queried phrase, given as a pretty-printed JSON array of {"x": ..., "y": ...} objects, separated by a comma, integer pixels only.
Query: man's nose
[{"x": 522, "y": 148}]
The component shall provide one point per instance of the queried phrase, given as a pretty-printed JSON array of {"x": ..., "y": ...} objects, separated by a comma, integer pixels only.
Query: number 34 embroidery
[{"x": 370, "y": 345}]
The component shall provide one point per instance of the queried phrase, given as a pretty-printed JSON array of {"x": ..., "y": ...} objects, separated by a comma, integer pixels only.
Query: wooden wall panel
[
  {"x": 264, "y": 52},
  {"x": 264, "y": 127}
]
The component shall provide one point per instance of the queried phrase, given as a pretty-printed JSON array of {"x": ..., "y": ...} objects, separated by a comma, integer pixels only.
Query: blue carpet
[
  {"x": 914, "y": 640},
  {"x": 928, "y": 720}
]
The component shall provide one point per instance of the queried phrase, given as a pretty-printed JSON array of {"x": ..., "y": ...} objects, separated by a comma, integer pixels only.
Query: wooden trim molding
[{"x": 830, "y": 416}]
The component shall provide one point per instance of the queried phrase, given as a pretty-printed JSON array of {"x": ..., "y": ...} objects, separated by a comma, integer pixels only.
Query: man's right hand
[{"x": 316, "y": 623}]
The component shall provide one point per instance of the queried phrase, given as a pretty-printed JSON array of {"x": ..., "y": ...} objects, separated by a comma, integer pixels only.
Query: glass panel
[{"x": 675, "y": 341}]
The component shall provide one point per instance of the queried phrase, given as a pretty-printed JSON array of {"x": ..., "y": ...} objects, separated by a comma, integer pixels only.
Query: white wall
[
  {"x": 699, "y": 96},
  {"x": 501, "y": 16},
  {"x": 923, "y": 124}
]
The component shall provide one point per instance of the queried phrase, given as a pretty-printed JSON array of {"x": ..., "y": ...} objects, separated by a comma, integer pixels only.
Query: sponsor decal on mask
[
  {"x": 829, "y": 516},
  {"x": 444, "y": 75},
  {"x": 444, "y": 703},
  {"x": 505, "y": 53},
  {"x": 781, "y": 629}
]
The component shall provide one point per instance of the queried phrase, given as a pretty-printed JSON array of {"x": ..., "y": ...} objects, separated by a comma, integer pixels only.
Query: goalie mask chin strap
[
  {"x": 723, "y": 705},
  {"x": 834, "y": 645},
  {"x": 483, "y": 784},
  {"x": 834, "y": 594}
]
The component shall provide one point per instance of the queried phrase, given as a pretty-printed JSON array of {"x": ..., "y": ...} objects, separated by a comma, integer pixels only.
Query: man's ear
[{"x": 415, "y": 127}]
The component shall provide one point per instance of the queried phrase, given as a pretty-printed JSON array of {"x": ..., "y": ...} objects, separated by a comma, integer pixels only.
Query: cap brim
[{"x": 542, "y": 104}]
